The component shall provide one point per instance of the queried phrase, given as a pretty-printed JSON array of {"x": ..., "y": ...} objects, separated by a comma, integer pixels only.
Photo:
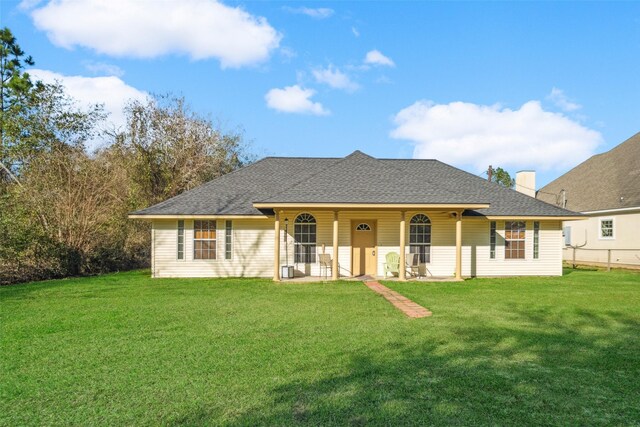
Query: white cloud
[
  {"x": 335, "y": 78},
  {"x": 466, "y": 134},
  {"x": 355, "y": 31},
  {"x": 375, "y": 57},
  {"x": 558, "y": 97},
  {"x": 294, "y": 99},
  {"x": 103, "y": 68},
  {"x": 287, "y": 53},
  {"x": 200, "y": 29},
  {"x": 110, "y": 91},
  {"x": 317, "y": 13}
]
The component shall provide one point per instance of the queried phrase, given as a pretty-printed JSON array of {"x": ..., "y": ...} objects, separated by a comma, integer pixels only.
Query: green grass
[{"x": 124, "y": 349}]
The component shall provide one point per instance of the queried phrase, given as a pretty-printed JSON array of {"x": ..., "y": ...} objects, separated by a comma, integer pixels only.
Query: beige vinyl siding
[
  {"x": 252, "y": 250},
  {"x": 626, "y": 230},
  {"x": 253, "y": 239},
  {"x": 475, "y": 251}
]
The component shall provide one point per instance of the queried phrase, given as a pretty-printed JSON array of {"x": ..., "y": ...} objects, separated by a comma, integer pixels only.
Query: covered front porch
[{"x": 324, "y": 243}]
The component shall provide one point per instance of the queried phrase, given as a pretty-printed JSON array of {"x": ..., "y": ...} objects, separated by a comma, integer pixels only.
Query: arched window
[
  {"x": 363, "y": 227},
  {"x": 420, "y": 237},
  {"x": 304, "y": 234}
]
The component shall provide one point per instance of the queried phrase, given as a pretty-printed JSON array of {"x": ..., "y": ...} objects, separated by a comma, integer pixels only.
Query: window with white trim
[
  {"x": 420, "y": 237},
  {"x": 180, "y": 239},
  {"x": 204, "y": 239},
  {"x": 514, "y": 239},
  {"x": 228, "y": 239},
  {"x": 566, "y": 233},
  {"x": 606, "y": 228},
  {"x": 304, "y": 235}
]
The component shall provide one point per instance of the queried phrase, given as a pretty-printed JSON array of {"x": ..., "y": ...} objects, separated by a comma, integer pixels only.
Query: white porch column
[
  {"x": 402, "y": 271},
  {"x": 276, "y": 249},
  {"x": 335, "y": 273},
  {"x": 459, "y": 245}
]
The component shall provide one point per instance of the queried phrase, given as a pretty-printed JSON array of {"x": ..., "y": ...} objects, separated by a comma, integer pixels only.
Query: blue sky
[{"x": 520, "y": 85}]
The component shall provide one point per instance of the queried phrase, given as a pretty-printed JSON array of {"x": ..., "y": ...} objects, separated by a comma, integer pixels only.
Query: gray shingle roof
[
  {"x": 609, "y": 180},
  {"x": 357, "y": 178},
  {"x": 234, "y": 193}
]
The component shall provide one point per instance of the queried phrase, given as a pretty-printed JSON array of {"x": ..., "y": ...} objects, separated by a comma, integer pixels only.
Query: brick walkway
[{"x": 401, "y": 302}]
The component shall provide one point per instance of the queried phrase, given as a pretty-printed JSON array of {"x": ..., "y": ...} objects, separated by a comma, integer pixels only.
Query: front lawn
[{"x": 124, "y": 349}]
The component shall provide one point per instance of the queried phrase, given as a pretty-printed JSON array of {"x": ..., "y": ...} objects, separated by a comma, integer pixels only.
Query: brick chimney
[{"x": 526, "y": 183}]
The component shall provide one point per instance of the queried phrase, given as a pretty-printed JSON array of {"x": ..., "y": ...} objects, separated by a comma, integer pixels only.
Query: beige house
[
  {"x": 342, "y": 217},
  {"x": 606, "y": 189}
]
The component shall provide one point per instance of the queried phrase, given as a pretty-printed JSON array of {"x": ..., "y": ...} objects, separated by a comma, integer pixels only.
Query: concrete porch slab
[{"x": 303, "y": 279}]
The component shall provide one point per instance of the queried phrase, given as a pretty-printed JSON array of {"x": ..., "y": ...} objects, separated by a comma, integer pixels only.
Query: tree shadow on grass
[{"x": 543, "y": 369}]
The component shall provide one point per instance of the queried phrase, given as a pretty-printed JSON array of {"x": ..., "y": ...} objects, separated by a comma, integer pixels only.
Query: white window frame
[
  {"x": 413, "y": 232},
  {"x": 184, "y": 240},
  {"x": 194, "y": 239},
  {"x": 228, "y": 244},
  {"x": 613, "y": 229},
  {"x": 511, "y": 239},
  {"x": 305, "y": 252},
  {"x": 566, "y": 232},
  {"x": 493, "y": 239}
]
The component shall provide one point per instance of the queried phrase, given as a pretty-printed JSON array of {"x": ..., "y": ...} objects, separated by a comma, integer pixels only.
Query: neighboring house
[
  {"x": 606, "y": 188},
  {"x": 354, "y": 210}
]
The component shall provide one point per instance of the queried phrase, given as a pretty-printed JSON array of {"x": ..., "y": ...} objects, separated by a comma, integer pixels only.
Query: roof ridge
[
  {"x": 301, "y": 157},
  {"x": 354, "y": 153},
  {"x": 406, "y": 160},
  {"x": 332, "y": 165}
]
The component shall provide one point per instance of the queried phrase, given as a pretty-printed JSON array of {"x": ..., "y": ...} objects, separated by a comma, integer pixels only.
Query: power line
[{"x": 556, "y": 195}]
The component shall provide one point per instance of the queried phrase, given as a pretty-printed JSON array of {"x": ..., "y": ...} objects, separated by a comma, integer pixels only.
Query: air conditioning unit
[{"x": 287, "y": 272}]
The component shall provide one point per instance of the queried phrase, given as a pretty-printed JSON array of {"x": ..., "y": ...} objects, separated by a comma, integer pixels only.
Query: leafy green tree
[
  {"x": 53, "y": 119},
  {"x": 36, "y": 117},
  {"x": 502, "y": 177},
  {"x": 16, "y": 83},
  {"x": 15, "y": 91}
]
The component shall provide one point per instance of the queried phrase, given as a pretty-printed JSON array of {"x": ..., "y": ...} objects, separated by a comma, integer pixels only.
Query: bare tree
[
  {"x": 171, "y": 149},
  {"x": 81, "y": 199}
]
